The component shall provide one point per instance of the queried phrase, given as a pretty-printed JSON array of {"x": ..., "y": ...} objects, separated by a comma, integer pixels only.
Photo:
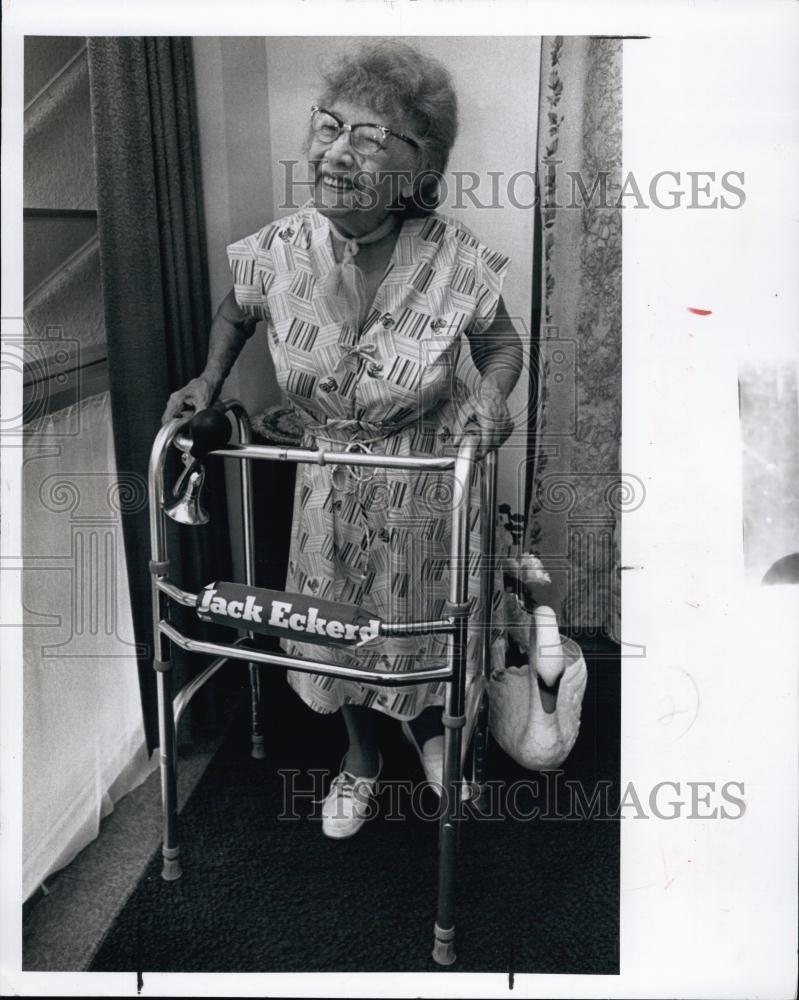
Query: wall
[{"x": 60, "y": 250}]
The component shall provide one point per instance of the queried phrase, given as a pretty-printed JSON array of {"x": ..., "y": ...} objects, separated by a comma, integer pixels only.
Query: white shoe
[
  {"x": 431, "y": 756},
  {"x": 347, "y": 805}
]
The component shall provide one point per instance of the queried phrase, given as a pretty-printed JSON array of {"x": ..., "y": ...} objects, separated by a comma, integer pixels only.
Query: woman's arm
[
  {"x": 498, "y": 356},
  {"x": 230, "y": 330},
  {"x": 497, "y": 353}
]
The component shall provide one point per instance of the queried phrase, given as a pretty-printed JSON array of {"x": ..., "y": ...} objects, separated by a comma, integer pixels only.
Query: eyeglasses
[{"x": 366, "y": 138}]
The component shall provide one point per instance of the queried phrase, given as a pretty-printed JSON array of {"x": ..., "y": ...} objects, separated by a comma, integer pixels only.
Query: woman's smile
[
  {"x": 337, "y": 185},
  {"x": 337, "y": 182},
  {"x": 340, "y": 194}
]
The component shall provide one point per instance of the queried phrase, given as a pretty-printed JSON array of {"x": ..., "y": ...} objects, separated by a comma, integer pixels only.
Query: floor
[{"x": 82, "y": 912}]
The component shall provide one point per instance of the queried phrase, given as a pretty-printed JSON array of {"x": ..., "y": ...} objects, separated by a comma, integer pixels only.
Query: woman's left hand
[{"x": 488, "y": 407}]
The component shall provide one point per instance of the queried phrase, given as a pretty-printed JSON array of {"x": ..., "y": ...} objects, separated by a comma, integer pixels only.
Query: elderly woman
[{"x": 368, "y": 295}]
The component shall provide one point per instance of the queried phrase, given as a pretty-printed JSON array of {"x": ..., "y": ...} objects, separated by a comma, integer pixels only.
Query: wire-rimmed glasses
[{"x": 366, "y": 138}]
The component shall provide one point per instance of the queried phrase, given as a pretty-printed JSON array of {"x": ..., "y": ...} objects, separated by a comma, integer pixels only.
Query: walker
[{"x": 465, "y": 713}]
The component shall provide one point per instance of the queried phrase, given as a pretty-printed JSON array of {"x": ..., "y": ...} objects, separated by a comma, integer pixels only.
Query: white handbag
[{"x": 533, "y": 737}]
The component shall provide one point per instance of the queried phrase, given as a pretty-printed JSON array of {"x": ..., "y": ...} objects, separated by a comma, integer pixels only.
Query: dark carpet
[{"x": 262, "y": 893}]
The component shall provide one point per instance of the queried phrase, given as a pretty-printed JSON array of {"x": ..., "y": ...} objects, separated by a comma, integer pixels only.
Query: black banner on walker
[{"x": 291, "y": 616}]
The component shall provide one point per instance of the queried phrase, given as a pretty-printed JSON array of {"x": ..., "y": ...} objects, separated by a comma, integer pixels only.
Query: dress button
[
  {"x": 437, "y": 324},
  {"x": 374, "y": 370},
  {"x": 329, "y": 384},
  {"x": 387, "y": 320},
  {"x": 287, "y": 233}
]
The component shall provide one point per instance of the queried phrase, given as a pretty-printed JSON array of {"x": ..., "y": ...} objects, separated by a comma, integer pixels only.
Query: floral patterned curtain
[{"x": 578, "y": 492}]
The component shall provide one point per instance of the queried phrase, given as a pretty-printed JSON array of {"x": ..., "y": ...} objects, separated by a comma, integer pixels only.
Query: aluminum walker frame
[{"x": 465, "y": 713}]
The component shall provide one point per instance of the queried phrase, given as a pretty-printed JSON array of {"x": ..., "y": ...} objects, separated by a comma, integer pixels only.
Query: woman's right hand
[{"x": 198, "y": 395}]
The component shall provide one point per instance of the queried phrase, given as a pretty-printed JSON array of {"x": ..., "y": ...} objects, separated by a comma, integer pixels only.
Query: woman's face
[{"x": 357, "y": 190}]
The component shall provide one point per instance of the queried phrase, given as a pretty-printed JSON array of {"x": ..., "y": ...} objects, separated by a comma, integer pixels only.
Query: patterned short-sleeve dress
[{"x": 382, "y": 542}]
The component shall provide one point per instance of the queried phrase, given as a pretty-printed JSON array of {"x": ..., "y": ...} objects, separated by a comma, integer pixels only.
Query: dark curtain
[{"x": 155, "y": 290}]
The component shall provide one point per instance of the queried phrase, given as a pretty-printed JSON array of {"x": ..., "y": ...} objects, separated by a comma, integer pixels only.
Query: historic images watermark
[
  {"x": 72, "y": 509},
  {"x": 546, "y": 796},
  {"x": 44, "y": 360},
  {"x": 554, "y": 187}
]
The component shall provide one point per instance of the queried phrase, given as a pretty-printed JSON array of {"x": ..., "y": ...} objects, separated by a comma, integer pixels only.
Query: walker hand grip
[{"x": 209, "y": 429}]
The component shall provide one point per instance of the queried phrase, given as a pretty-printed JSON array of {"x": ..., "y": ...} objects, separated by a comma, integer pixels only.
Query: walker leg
[
  {"x": 444, "y": 946},
  {"x": 488, "y": 506},
  {"x": 453, "y": 716},
  {"x": 258, "y": 751},
  {"x": 444, "y": 931},
  {"x": 451, "y": 802},
  {"x": 248, "y": 523},
  {"x": 169, "y": 794}
]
